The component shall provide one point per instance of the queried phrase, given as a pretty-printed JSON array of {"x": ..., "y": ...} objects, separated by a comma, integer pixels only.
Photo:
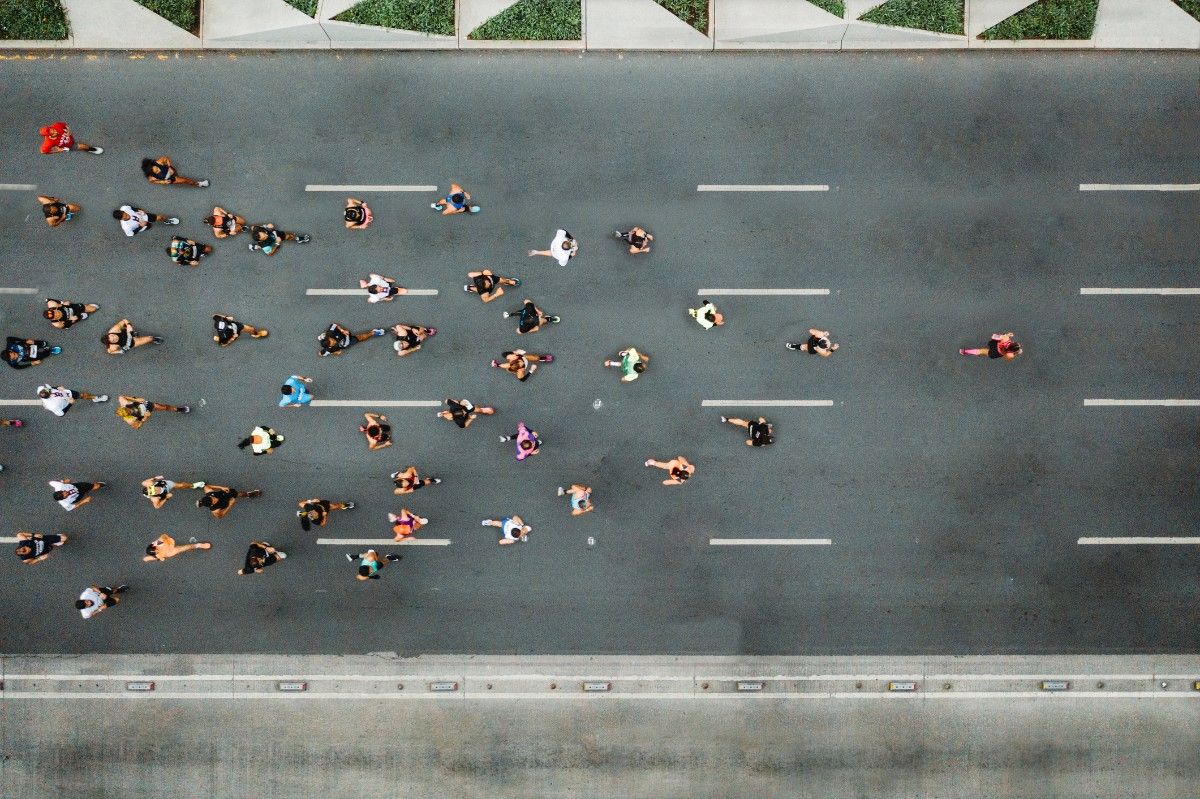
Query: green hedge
[
  {"x": 835, "y": 7},
  {"x": 307, "y": 6},
  {"x": 33, "y": 19},
  {"x": 184, "y": 13},
  {"x": 939, "y": 16},
  {"x": 427, "y": 16},
  {"x": 693, "y": 12},
  {"x": 1190, "y": 6},
  {"x": 540, "y": 20},
  {"x": 1048, "y": 19}
]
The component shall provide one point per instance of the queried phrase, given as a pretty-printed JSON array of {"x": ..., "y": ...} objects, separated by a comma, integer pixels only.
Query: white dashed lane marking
[
  {"x": 1138, "y": 541},
  {"x": 18, "y": 186},
  {"x": 366, "y": 188},
  {"x": 770, "y": 542},
  {"x": 1159, "y": 292},
  {"x": 762, "y": 187},
  {"x": 371, "y": 403},
  {"x": 766, "y": 403},
  {"x": 13, "y": 290},
  {"x": 363, "y": 293},
  {"x": 1138, "y": 403},
  {"x": 763, "y": 293},
  {"x": 384, "y": 542},
  {"x": 20, "y": 402},
  {"x": 1139, "y": 186}
]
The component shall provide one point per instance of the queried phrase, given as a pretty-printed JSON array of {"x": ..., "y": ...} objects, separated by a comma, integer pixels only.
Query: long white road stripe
[
  {"x": 17, "y": 291},
  {"x": 763, "y": 292},
  {"x": 1139, "y": 540},
  {"x": 17, "y": 186},
  {"x": 8, "y": 539},
  {"x": 755, "y": 187},
  {"x": 349, "y": 188},
  {"x": 20, "y": 402},
  {"x": 1163, "y": 292},
  {"x": 1169, "y": 403},
  {"x": 372, "y": 403},
  {"x": 384, "y": 542},
  {"x": 766, "y": 403},
  {"x": 770, "y": 542},
  {"x": 1139, "y": 186},
  {"x": 363, "y": 293}
]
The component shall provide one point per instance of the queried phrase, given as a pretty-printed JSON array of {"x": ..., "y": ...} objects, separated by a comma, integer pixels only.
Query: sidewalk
[{"x": 609, "y": 25}]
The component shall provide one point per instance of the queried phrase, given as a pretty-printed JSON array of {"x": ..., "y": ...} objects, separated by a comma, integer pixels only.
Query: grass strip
[
  {"x": 33, "y": 19},
  {"x": 835, "y": 7},
  {"x": 693, "y": 12},
  {"x": 1190, "y": 6},
  {"x": 939, "y": 16},
  {"x": 307, "y": 6},
  {"x": 1048, "y": 19},
  {"x": 183, "y": 13},
  {"x": 535, "y": 20},
  {"x": 426, "y": 16}
]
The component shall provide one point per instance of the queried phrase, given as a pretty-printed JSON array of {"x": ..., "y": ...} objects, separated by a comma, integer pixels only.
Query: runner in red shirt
[{"x": 57, "y": 138}]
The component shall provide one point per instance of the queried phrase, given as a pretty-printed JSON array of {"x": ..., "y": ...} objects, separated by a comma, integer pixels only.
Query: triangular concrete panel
[
  {"x": 225, "y": 19},
  {"x": 124, "y": 24},
  {"x": 743, "y": 20},
  {"x": 1144, "y": 23},
  {"x": 310, "y": 36},
  {"x": 826, "y": 38},
  {"x": 983, "y": 14},
  {"x": 634, "y": 24},
  {"x": 331, "y": 8}
]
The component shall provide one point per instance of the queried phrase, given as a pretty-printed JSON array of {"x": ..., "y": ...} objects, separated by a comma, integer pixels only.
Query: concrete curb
[{"x": 386, "y": 675}]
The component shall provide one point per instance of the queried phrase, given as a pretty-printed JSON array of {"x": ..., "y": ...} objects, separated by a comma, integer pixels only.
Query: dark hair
[
  {"x": 364, "y": 571},
  {"x": 354, "y": 213},
  {"x": 209, "y": 220},
  {"x": 148, "y": 165},
  {"x": 61, "y": 494},
  {"x": 150, "y": 549},
  {"x": 525, "y": 444},
  {"x": 81, "y": 604},
  {"x": 639, "y": 367},
  {"x": 1015, "y": 348},
  {"x": 52, "y": 313},
  {"x": 117, "y": 214},
  {"x": 24, "y": 549}
]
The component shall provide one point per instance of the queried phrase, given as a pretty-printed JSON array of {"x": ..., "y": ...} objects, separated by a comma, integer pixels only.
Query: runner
[
  {"x": 56, "y": 211},
  {"x": 409, "y": 481},
  {"x": 136, "y": 410},
  {"x": 22, "y": 353},
  {"x": 637, "y": 239},
  {"x": 512, "y": 529},
  {"x": 122, "y": 337},
  {"x": 632, "y": 364},
  {"x": 462, "y": 412},
  {"x": 381, "y": 289},
  {"x": 707, "y": 315},
  {"x": 267, "y": 238},
  {"x": 818, "y": 344},
  {"x": 162, "y": 172},
  {"x": 488, "y": 285},
  {"x": 262, "y": 440},
  {"x": 59, "y": 399},
  {"x": 527, "y": 440},
  {"x": 762, "y": 432},
  {"x": 678, "y": 470},
  {"x": 338, "y": 339},
  {"x": 95, "y": 599},
  {"x": 1000, "y": 345},
  {"x": 57, "y": 138},
  {"x": 34, "y": 547},
  {"x": 580, "y": 498},
  {"x": 530, "y": 318},
  {"x": 221, "y": 499},
  {"x": 521, "y": 363},
  {"x": 165, "y": 547},
  {"x": 562, "y": 249},
  {"x": 295, "y": 392},
  {"x": 357, "y": 214},
  {"x": 159, "y": 489},
  {"x": 377, "y": 430},
  {"x": 409, "y": 338},
  {"x": 369, "y": 563},
  {"x": 405, "y": 524},
  {"x": 64, "y": 313},
  {"x": 456, "y": 201},
  {"x": 226, "y": 330},
  {"x": 187, "y": 252},
  {"x": 316, "y": 511},
  {"x": 72, "y": 495},
  {"x": 259, "y": 556},
  {"x": 135, "y": 220},
  {"x": 224, "y": 223}
]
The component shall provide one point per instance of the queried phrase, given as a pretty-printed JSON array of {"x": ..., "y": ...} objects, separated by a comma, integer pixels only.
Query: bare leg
[{"x": 980, "y": 351}]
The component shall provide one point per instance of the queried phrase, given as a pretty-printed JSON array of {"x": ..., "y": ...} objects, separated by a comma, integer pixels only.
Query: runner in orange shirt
[{"x": 165, "y": 547}]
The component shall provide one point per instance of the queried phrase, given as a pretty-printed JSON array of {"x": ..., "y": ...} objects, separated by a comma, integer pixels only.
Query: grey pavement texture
[
  {"x": 954, "y": 489},
  {"x": 762, "y": 748}
]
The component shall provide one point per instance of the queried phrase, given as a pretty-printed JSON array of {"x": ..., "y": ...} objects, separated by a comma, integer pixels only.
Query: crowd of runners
[{"x": 296, "y": 391}]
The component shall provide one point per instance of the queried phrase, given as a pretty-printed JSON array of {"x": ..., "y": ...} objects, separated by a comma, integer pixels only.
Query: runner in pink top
[{"x": 527, "y": 440}]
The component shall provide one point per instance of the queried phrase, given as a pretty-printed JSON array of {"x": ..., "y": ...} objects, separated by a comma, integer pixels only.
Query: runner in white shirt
[
  {"x": 135, "y": 220},
  {"x": 58, "y": 400},
  {"x": 72, "y": 495},
  {"x": 96, "y": 598},
  {"x": 512, "y": 529},
  {"x": 562, "y": 249},
  {"x": 381, "y": 289}
]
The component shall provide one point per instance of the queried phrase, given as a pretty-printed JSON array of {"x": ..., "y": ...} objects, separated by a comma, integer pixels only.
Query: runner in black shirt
[
  {"x": 226, "y": 330},
  {"x": 34, "y": 547},
  {"x": 220, "y": 499},
  {"x": 761, "y": 431}
]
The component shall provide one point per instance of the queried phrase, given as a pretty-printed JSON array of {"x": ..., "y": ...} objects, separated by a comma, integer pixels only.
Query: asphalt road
[{"x": 954, "y": 489}]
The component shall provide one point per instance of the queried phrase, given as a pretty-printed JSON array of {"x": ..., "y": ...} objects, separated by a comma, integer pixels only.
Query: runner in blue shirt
[{"x": 295, "y": 392}]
